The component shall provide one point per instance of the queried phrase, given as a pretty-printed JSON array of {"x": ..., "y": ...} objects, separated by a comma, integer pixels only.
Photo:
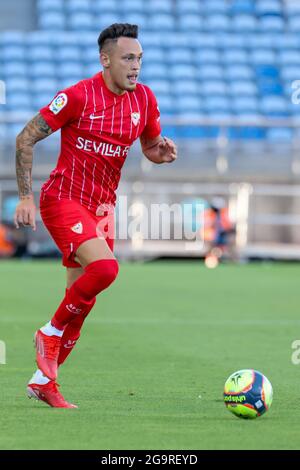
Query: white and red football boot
[
  {"x": 47, "y": 352},
  {"x": 48, "y": 393}
]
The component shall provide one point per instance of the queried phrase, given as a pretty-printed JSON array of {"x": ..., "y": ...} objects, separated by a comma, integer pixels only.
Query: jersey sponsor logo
[
  {"x": 104, "y": 149},
  {"x": 58, "y": 103},
  {"x": 135, "y": 117},
  {"x": 92, "y": 116},
  {"x": 77, "y": 228}
]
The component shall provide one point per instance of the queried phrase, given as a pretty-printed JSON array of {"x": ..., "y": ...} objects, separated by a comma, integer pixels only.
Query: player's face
[{"x": 125, "y": 63}]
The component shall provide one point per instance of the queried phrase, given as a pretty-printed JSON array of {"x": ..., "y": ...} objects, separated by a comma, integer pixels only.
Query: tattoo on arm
[{"x": 37, "y": 129}]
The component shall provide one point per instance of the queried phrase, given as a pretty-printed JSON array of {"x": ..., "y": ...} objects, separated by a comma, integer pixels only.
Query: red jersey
[{"x": 97, "y": 129}]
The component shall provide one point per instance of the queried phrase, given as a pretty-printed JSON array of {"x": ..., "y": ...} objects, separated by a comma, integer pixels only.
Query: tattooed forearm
[{"x": 33, "y": 132}]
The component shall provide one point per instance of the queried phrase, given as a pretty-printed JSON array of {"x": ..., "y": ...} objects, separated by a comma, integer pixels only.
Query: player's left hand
[{"x": 167, "y": 150}]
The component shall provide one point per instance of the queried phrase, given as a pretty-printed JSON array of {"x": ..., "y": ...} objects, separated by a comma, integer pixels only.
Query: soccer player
[{"x": 99, "y": 118}]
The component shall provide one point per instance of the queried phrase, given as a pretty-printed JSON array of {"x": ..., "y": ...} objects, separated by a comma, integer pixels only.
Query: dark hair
[{"x": 116, "y": 31}]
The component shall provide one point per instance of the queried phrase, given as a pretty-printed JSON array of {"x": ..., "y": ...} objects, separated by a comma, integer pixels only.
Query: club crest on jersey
[
  {"x": 58, "y": 103},
  {"x": 77, "y": 228},
  {"x": 135, "y": 117}
]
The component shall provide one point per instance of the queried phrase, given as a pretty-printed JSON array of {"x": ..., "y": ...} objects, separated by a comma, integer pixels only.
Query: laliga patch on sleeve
[{"x": 58, "y": 103}]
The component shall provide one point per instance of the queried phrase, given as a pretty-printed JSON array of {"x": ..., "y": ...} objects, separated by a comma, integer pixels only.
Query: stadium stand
[{"x": 190, "y": 47}]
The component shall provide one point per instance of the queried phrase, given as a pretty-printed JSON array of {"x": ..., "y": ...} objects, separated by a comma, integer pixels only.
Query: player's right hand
[{"x": 25, "y": 213}]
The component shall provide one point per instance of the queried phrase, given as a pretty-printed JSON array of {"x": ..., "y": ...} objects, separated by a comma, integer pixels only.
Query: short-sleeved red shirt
[{"x": 98, "y": 128}]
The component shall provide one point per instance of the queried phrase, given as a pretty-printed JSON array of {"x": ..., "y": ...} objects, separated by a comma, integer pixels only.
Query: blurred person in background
[{"x": 218, "y": 232}]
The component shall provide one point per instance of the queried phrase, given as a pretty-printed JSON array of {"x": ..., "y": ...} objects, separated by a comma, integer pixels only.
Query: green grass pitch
[{"x": 149, "y": 370}]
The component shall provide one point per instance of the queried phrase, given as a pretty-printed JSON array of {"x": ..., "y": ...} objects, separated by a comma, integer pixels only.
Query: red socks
[
  {"x": 72, "y": 334},
  {"x": 77, "y": 302}
]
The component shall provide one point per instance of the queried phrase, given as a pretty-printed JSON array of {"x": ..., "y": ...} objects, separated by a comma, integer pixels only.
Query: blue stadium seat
[
  {"x": 65, "y": 54},
  {"x": 232, "y": 40},
  {"x": 190, "y": 23},
  {"x": 39, "y": 53},
  {"x": 242, "y": 88},
  {"x": 159, "y": 7},
  {"x": 214, "y": 88},
  {"x": 103, "y": 6},
  {"x": 39, "y": 39},
  {"x": 41, "y": 70},
  {"x": 286, "y": 41},
  {"x": 274, "y": 106},
  {"x": 14, "y": 129},
  {"x": 52, "y": 21},
  {"x": 242, "y": 7},
  {"x": 260, "y": 41},
  {"x": 187, "y": 103},
  {"x": 166, "y": 104},
  {"x": 279, "y": 134},
  {"x": 162, "y": 21},
  {"x": 172, "y": 39},
  {"x": 131, "y": 6},
  {"x": 78, "y": 6},
  {"x": 214, "y": 104},
  {"x": 179, "y": 56},
  {"x": 70, "y": 80},
  {"x": 182, "y": 72},
  {"x": 263, "y": 70},
  {"x": 274, "y": 24},
  {"x": 202, "y": 40},
  {"x": 294, "y": 24},
  {"x": 13, "y": 53},
  {"x": 207, "y": 56},
  {"x": 154, "y": 55},
  {"x": 15, "y": 69},
  {"x": 215, "y": 7},
  {"x": 290, "y": 73},
  {"x": 155, "y": 71},
  {"x": 210, "y": 72},
  {"x": 70, "y": 69},
  {"x": 12, "y": 38},
  {"x": 235, "y": 56},
  {"x": 271, "y": 87},
  {"x": 247, "y": 132},
  {"x": 18, "y": 101},
  {"x": 81, "y": 21},
  {"x": 41, "y": 100},
  {"x": 263, "y": 56},
  {"x": 189, "y": 7},
  {"x": 91, "y": 69},
  {"x": 217, "y": 23},
  {"x": 292, "y": 8},
  {"x": 160, "y": 86},
  {"x": 50, "y": 5},
  {"x": 19, "y": 84},
  {"x": 245, "y": 104},
  {"x": 136, "y": 18},
  {"x": 289, "y": 57},
  {"x": 242, "y": 23},
  {"x": 186, "y": 86},
  {"x": 268, "y": 7},
  {"x": 104, "y": 20},
  {"x": 49, "y": 85},
  {"x": 239, "y": 72},
  {"x": 67, "y": 38}
]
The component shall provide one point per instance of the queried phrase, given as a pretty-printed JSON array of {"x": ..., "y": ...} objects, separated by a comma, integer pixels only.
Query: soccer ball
[{"x": 248, "y": 393}]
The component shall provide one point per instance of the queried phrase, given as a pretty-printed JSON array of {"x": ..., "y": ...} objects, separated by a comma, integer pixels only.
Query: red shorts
[{"x": 70, "y": 224}]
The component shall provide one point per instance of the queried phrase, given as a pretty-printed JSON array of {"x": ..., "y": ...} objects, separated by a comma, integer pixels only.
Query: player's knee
[{"x": 104, "y": 272}]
